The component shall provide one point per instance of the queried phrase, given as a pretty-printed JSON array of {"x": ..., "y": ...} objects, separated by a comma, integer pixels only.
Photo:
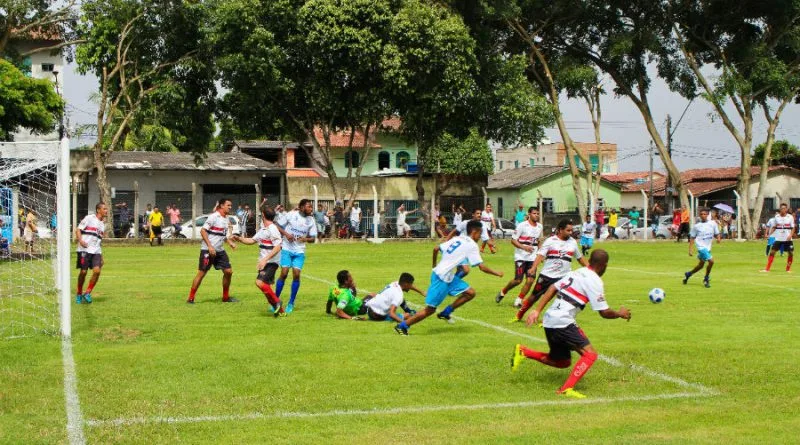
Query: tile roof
[
  {"x": 518, "y": 177},
  {"x": 701, "y": 181},
  {"x": 148, "y": 160},
  {"x": 342, "y": 139},
  {"x": 627, "y": 177}
]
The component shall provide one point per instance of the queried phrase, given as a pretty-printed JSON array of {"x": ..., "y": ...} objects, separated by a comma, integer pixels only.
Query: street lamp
[{"x": 61, "y": 118}]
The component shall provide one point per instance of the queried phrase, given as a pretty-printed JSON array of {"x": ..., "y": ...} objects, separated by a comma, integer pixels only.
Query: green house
[
  {"x": 553, "y": 184},
  {"x": 388, "y": 153}
]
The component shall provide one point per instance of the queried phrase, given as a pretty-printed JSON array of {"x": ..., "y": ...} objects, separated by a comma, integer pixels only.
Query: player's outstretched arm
[
  {"x": 583, "y": 262},
  {"x": 417, "y": 290},
  {"x": 393, "y": 314},
  {"x": 328, "y": 306},
  {"x": 611, "y": 313},
  {"x": 246, "y": 241},
  {"x": 485, "y": 269},
  {"x": 533, "y": 317}
]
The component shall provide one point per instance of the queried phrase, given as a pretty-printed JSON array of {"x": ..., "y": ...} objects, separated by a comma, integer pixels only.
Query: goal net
[{"x": 34, "y": 247}]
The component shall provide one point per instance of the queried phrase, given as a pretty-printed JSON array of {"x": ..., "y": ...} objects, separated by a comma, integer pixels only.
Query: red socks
[
  {"x": 226, "y": 294},
  {"x": 525, "y": 306},
  {"x": 80, "y": 290},
  {"x": 789, "y": 263},
  {"x": 769, "y": 261},
  {"x": 543, "y": 357},
  {"x": 90, "y": 288},
  {"x": 192, "y": 292},
  {"x": 269, "y": 293},
  {"x": 582, "y": 367}
]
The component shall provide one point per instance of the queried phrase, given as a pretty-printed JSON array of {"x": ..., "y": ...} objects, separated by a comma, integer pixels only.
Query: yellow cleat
[
  {"x": 516, "y": 359},
  {"x": 514, "y": 320},
  {"x": 571, "y": 393}
]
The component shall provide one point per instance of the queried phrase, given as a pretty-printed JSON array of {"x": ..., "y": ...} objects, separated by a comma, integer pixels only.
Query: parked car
[
  {"x": 625, "y": 231},
  {"x": 187, "y": 232},
  {"x": 503, "y": 228}
]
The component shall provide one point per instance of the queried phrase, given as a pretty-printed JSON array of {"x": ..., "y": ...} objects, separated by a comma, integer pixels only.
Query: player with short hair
[
  {"x": 269, "y": 246},
  {"x": 300, "y": 229},
  {"x": 573, "y": 292},
  {"x": 212, "y": 251},
  {"x": 461, "y": 229},
  {"x": 526, "y": 239},
  {"x": 458, "y": 255},
  {"x": 783, "y": 230},
  {"x": 89, "y": 235},
  {"x": 383, "y": 305},
  {"x": 557, "y": 252},
  {"x": 587, "y": 235},
  {"x": 348, "y": 306},
  {"x": 488, "y": 221},
  {"x": 156, "y": 221},
  {"x": 703, "y": 234}
]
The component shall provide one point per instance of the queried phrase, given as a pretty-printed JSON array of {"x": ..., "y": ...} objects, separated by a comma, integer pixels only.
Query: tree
[
  {"x": 783, "y": 153},
  {"x": 23, "y": 19},
  {"x": 25, "y": 102},
  {"x": 469, "y": 156},
  {"x": 308, "y": 69},
  {"x": 753, "y": 47},
  {"x": 137, "y": 50}
]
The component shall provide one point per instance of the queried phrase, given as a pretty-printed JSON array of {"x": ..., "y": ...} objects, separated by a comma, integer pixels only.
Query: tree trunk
[
  {"x": 421, "y": 188},
  {"x": 365, "y": 150},
  {"x": 104, "y": 187}
]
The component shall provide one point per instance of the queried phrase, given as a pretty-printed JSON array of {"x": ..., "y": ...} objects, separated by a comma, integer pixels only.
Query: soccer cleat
[
  {"x": 87, "y": 298},
  {"x": 571, "y": 393},
  {"x": 516, "y": 359},
  {"x": 401, "y": 330},
  {"x": 230, "y": 300},
  {"x": 518, "y": 302},
  {"x": 499, "y": 297},
  {"x": 446, "y": 318},
  {"x": 190, "y": 301},
  {"x": 515, "y": 320},
  {"x": 289, "y": 308},
  {"x": 707, "y": 282},
  {"x": 686, "y": 277},
  {"x": 279, "y": 313},
  {"x": 78, "y": 298}
]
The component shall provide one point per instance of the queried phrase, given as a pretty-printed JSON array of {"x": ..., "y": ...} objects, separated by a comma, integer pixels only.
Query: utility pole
[
  {"x": 669, "y": 190},
  {"x": 652, "y": 198}
]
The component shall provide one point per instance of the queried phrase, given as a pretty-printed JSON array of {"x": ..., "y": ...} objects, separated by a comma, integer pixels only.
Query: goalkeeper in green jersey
[{"x": 348, "y": 306}]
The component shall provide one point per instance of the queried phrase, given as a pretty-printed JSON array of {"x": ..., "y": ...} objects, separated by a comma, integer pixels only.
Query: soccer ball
[{"x": 657, "y": 295}]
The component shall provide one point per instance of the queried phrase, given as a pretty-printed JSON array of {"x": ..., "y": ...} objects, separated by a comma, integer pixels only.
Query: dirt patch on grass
[{"x": 118, "y": 334}]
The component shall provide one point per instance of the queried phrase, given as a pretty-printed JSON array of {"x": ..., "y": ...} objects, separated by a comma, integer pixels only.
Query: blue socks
[
  {"x": 279, "y": 287},
  {"x": 447, "y": 311},
  {"x": 295, "y": 288}
]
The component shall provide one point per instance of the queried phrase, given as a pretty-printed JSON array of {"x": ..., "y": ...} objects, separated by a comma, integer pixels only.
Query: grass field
[{"x": 707, "y": 366}]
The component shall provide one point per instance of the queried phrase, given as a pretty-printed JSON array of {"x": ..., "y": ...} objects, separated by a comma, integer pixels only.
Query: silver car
[{"x": 625, "y": 231}]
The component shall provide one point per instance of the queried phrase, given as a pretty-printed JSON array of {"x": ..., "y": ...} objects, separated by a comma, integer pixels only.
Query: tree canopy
[{"x": 26, "y": 103}]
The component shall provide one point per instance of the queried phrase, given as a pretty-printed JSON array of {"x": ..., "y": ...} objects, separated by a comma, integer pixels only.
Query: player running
[
  {"x": 587, "y": 235},
  {"x": 573, "y": 292},
  {"x": 557, "y": 253},
  {"x": 300, "y": 229},
  {"x": 383, "y": 305},
  {"x": 703, "y": 233},
  {"x": 526, "y": 239},
  {"x": 89, "y": 234},
  {"x": 458, "y": 254},
  {"x": 212, "y": 251},
  {"x": 461, "y": 229},
  {"x": 783, "y": 230},
  {"x": 269, "y": 247}
]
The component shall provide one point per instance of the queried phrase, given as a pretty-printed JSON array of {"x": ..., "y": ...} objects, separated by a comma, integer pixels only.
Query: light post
[{"x": 61, "y": 118}]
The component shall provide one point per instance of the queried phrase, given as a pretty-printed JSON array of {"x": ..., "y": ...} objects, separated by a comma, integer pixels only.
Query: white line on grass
[
  {"x": 73, "y": 404},
  {"x": 383, "y": 411}
]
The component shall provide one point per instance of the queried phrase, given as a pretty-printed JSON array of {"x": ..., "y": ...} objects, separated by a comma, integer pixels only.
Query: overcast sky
[{"x": 698, "y": 142}]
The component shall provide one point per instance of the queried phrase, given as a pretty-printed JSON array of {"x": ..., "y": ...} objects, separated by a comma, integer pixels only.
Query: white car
[
  {"x": 503, "y": 228},
  {"x": 188, "y": 232}
]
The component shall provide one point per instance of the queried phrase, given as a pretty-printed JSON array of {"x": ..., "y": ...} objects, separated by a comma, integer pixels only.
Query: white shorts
[
  {"x": 28, "y": 235},
  {"x": 403, "y": 228}
]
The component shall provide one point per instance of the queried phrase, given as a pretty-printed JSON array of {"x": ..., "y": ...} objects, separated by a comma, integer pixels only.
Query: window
[
  {"x": 384, "y": 160},
  {"x": 595, "y": 161},
  {"x": 402, "y": 159},
  {"x": 794, "y": 203},
  {"x": 501, "y": 165},
  {"x": 769, "y": 204},
  {"x": 548, "y": 205},
  {"x": 516, "y": 164},
  {"x": 500, "y": 206},
  {"x": 532, "y": 162},
  {"x": 26, "y": 66},
  {"x": 601, "y": 203},
  {"x": 351, "y": 159},
  {"x": 48, "y": 67}
]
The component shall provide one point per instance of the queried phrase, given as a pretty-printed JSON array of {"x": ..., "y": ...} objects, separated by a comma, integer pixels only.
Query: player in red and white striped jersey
[
  {"x": 269, "y": 242},
  {"x": 526, "y": 239},
  {"x": 573, "y": 292},
  {"x": 783, "y": 230}
]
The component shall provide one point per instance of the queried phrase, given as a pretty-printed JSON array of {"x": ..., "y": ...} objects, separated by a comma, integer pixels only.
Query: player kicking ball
[
  {"x": 526, "y": 239},
  {"x": 783, "y": 229},
  {"x": 89, "y": 235},
  {"x": 269, "y": 241},
  {"x": 573, "y": 292},
  {"x": 703, "y": 233},
  {"x": 458, "y": 255}
]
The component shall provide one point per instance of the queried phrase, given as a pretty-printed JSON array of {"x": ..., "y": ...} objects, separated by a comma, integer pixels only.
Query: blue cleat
[
  {"x": 78, "y": 298},
  {"x": 88, "y": 298},
  {"x": 289, "y": 308},
  {"x": 401, "y": 329}
]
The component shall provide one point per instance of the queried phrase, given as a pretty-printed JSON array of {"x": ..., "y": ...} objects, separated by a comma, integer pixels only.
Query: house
[
  {"x": 551, "y": 184},
  {"x": 556, "y": 154},
  {"x": 717, "y": 185},
  {"x": 631, "y": 184}
]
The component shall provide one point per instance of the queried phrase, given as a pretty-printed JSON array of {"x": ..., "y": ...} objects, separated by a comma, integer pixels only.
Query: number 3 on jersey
[{"x": 453, "y": 247}]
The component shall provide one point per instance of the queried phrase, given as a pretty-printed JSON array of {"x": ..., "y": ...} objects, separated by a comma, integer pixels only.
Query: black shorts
[
  {"x": 156, "y": 230},
  {"x": 563, "y": 341},
  {"x": 521, "y": 269},
  {"x": 786, "y": 246},
  {"x": 267, "y": 274},
  {"x": 374, "y": 316},
  {"x": 542, "y": 284},
  {"x": 89, "y": 260},
  {"x": 220, "y": 261}
]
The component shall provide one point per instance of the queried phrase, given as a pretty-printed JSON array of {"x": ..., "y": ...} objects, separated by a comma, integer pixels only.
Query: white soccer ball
[{"x": 657, "y": 295}]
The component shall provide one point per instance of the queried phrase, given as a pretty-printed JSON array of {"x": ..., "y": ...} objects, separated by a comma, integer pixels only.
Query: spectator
[
  {"x": 30, "y": 230},
  {"x": 441, "y": 226},
  {"x": 684, "y": 227},
  {"x": 458, "y": 214},
  {"x": 657, "y": 213},
  {"x": 156, "y": 220},
  {"x": 239, "y": 213},
  {"x": 355, "y": 220},
  {"x": 147, "y": 211},
  {"x": 247, "y": 217},
  {"x": 174, "y": 217},
  {"x": 676, "y": 222},
  {"x": 612, "y": 224},
  {"x": 21, "y": 221},
  {"x": 403, "y": 229},
  {"x": 599, "y": 220},
  {"x": 520, "y": 215},
  {"x": 319, "y": 218},
  {"x": 338, "y": 218},
  {"x": 634, "y": 216}
]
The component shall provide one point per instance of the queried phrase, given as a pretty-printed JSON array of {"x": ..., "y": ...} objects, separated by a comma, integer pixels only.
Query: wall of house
[
  {"x": 391, "y": 187},
  {"x": 35, "y": 62},
  {"x": 389, "y": 143},
  {"x": 780, "y": 186},
  {"x": 631, "y": 199},
  {"x": 552, "y": 154}
]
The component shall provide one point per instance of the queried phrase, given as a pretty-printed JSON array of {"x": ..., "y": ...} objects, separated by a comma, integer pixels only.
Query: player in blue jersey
[{"x": 703, "y": 234}]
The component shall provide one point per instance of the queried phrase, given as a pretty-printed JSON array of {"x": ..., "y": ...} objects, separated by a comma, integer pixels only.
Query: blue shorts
[
  {"x": 439, "y": 290},
  {"x": 587, "y": 241},
  {"x": 293, "y": 260},
  {"x": 704, "y": 255},
  {"x": 770, "y": 241}
]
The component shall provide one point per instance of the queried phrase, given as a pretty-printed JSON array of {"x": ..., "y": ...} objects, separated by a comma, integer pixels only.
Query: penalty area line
[
  {"x": 71, "y": 400},
  {"x": 383, "y": 411}
]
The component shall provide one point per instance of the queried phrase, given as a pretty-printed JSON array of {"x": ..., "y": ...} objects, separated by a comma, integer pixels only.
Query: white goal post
[{"x": 34, "y": 238}]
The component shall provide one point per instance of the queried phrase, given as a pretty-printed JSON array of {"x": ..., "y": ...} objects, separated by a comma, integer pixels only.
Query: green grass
[{"x": 141, "y": 352}]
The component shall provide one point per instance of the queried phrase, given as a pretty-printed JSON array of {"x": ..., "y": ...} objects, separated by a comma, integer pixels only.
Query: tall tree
[
  {"x": 23, "y": 20},
  {"x": 137, "y": 49},
  {"x": 753, "y": 50},
  {"x": 27, "y": 103},
  {"x": 783, "y": 153}
]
